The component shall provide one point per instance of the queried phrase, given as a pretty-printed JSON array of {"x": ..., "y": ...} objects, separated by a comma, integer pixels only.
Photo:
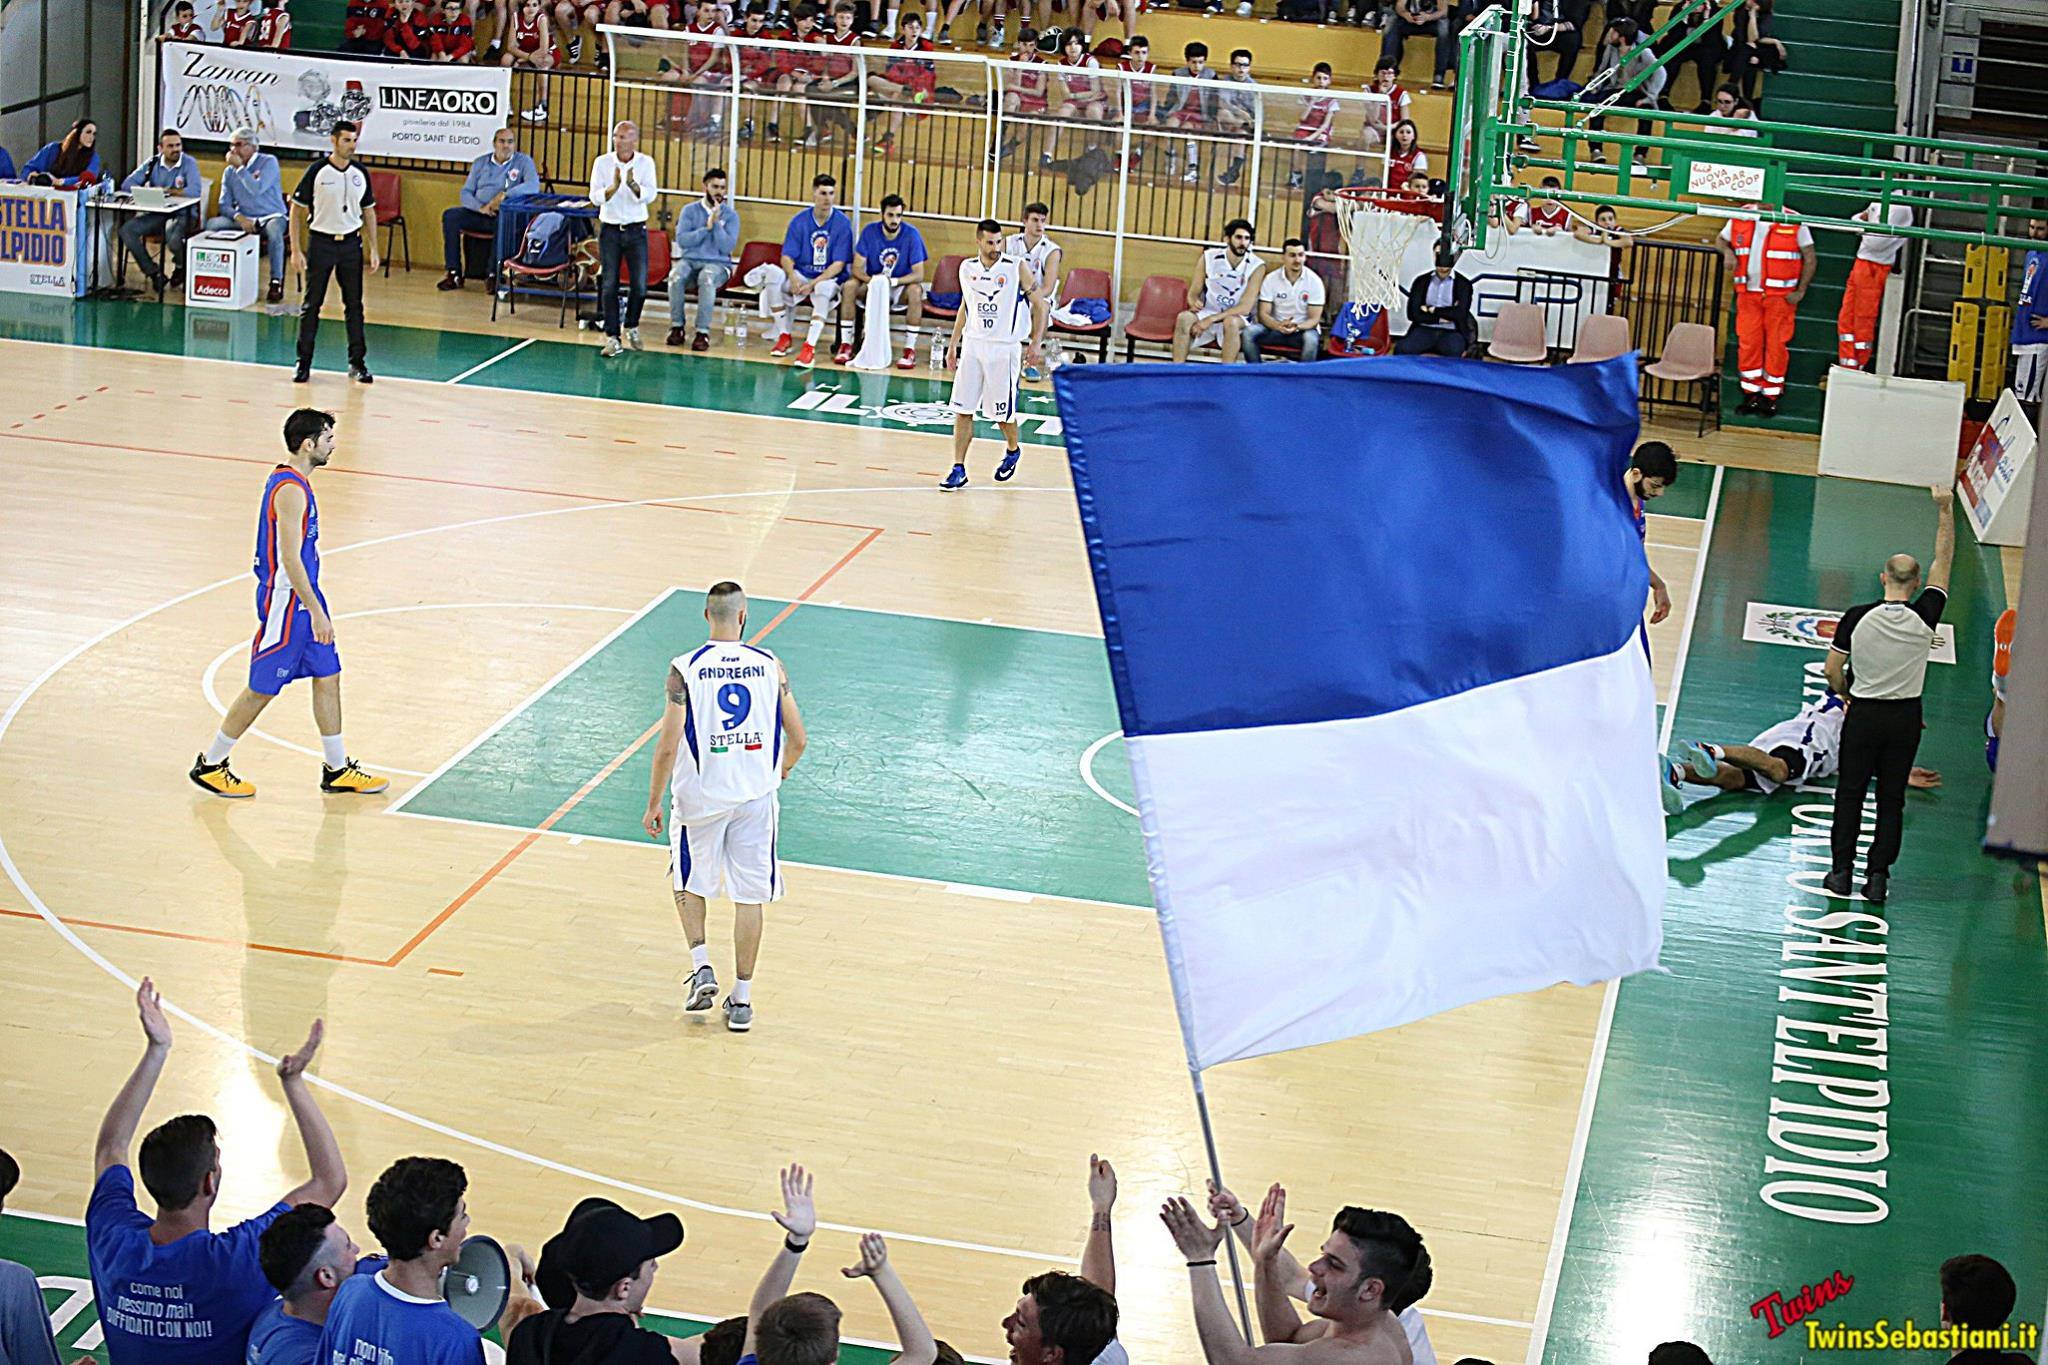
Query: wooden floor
[{"x": 944, "y": 1059}]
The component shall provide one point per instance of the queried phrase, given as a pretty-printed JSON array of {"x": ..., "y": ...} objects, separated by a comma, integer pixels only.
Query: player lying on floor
[{"x": 1803, "y": 749}]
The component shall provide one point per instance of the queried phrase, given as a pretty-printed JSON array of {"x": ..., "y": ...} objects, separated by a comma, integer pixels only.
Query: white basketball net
[{"x": 1376, "y": 238}]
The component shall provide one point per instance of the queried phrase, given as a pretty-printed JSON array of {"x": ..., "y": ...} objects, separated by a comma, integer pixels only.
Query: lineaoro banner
[{"x": 435, "y": 112}]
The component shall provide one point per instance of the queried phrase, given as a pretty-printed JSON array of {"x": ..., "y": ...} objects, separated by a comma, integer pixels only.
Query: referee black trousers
[
  {"x": 341, "y": 259},
  {"x": 1879, "y": 742}
]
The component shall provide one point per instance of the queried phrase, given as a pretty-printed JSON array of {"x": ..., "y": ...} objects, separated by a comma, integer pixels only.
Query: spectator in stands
[
  {"x": 707, "y": 238},
  {"x": 2030, "y": 324},
  {"x": 1754, "y": 51},
  {"x": 1564, "y": 35},
  {"x": 252, "y": 199},
  {"x": 567, "y": 14},
  {"x": 305, "y": 1256},
  {"x": 362, "y": 28},
  {"x": 760, "y": 67},
  {"x": 1418, "y": 183},
  {"x": 1145, "y": 97},
  {"x": 1728, "y": 104},
  {"x": 183, "y": 25},
  {"x": 835, "y": 82},
  {"x": 1191, "y": 106},
  {"x": 1312, "y": 131},
  {"x": 1440, "y": 318},
  {"x": 274, "y": 27},
  {"x": 493, "y": 177},
  {"x": 25, "y": 1336},
  {"x": 1705, "y": 54},
  {"x": 891, "y": 249},
  {"x": 408, "y": 33},
  {"x": 1431, "y": 17},
  {"x": 1291, "y": 1278},
  {"x": 624, "y": 185},
  {"x": 238, "y": 25},
  {"x": 906, "y": 80},
  {"x": 1606, "y": 228},
  {"x": 1406, "y": 157},
  {"x": 1067, "y": 1319},
  {"x": 454, "y": 37},
  {"x": 1290, "y": 305},
  {"x": 1074, "y": 92},
  {"x": 1097, "y": 13},
  {"x": 1400, "y": 105},
  {"x": 1624, "y": 55},
  {"x": 1026, "y": 90},
  {"x": 704, "y": 64},
  {"x": 1367, "y": 1265},
  {"x": 817, "y": 251},
  {"x": 1237, "y": 111},
  {"x": 177, "y": 175},
  {"x": 1548, "y": 216},
  {"x": 803, "y": 1329},
  {"x": 417, "y": 1214},
  {"x": 530, "y": 42},
  {"x": 138, "y": 1263},
  {"x": 800, "y": 70},
  {"x": 1978, "y": 1293},
  {"x": 608, "y": 1259},
  {"x": 1221, "y": 295},
  {"x": 71, "y": 162}
]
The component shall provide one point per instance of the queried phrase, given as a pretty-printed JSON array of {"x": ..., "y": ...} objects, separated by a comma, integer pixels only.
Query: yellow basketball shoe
[
  {"x": 350, "y": 777},
  {"x": 219, "y": 779}
]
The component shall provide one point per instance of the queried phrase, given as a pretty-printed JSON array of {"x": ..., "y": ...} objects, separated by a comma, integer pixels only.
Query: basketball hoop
[{"x": 1378, "y": 224}]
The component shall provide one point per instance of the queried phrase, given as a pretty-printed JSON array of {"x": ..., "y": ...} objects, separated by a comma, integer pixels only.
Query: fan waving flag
[{"x": 1373, "y": 626}]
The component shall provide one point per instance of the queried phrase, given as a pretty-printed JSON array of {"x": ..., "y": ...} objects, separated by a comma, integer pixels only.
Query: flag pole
[{"x": 1244, "y": 1312}]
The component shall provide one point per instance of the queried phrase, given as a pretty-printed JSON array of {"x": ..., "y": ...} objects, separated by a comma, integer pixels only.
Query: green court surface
[
  {"x": 943, "y": 750},
  {"x": 701, "y": 383},
  {"x": 55, "y": 1250},
  {"x": 1671, "y": 1234}
]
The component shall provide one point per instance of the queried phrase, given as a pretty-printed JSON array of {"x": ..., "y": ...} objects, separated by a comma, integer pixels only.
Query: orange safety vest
[{"x": 1782, "y": 257}]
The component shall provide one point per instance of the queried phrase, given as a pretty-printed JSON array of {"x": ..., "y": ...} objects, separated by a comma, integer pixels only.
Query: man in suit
[{"x": 1440, "y": 318}]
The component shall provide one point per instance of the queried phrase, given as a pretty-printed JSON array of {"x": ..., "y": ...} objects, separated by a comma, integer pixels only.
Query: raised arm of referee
[
  {"x": 1879, "y": 662},
  {"x": 328, "y": 241}
]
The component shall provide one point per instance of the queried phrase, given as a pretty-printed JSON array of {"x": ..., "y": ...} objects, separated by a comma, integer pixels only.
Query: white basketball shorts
[
  {"x": 2029, "y": 372},
  {"x": 732, "y": 853},
  {"x": 985, "y": 379}
]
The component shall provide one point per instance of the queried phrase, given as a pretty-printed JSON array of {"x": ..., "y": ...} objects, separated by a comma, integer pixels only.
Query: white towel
[{"x": 874, "y": 347}]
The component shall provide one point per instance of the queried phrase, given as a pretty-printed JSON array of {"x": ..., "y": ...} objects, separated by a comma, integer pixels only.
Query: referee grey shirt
[
  {"x": 1888, "y": 644},
  {"x": 335, "y": 198}
]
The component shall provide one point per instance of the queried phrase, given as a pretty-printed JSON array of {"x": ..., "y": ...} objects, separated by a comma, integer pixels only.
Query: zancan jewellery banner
[{"x": 435, "y": 112}]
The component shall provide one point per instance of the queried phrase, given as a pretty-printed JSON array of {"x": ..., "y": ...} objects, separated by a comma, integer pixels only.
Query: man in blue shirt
[
  {"x": 2030, "y": 324},
  {"x": 816, "y": 251},
  {"x": 177, "y": 175},
  {"x": 416, "y": 1212},
  {"x": 25, "y": 1336},
  {"x": 891, "y": 249},
  {"x": 499, "y": 173},
  {"x": 252, "y": 199},
  {"x": 306, "y": 1256},
  {"x": 169, "y": 1290},
  {"x": 707, "y": 235},
  {"x": 6, "y": 166}
]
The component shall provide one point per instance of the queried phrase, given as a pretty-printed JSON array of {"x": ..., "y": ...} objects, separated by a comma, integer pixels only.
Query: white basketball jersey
[
  {"x": 1226, "y": 282},
  {"x": 732, "y": 733},
  {"x": 994, "y": 297},
  {"x": 1034, "y": 257}
]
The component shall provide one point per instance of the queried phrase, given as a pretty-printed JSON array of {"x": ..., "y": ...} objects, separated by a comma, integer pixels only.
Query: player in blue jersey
[
  {"x": 294, "y": 633},
  {"x": 2030, "y": 324},
  {"x": 1651, "y": 470}
]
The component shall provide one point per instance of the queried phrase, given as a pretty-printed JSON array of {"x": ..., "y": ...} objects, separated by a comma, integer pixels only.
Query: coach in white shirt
[
  {"x": 1290, "y": 305},
  {"x": 622, "y": 185}
]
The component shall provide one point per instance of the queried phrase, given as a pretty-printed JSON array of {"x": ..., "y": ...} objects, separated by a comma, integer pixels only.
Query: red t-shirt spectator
[
  {"x": 274, "y": 29},
  {"x": 238, "y": 29},
  {"x": 909, "y": 71},
  {"x": 408, "y": 34},
  {"x": 185, "y": 33},
  {"x": 454, "y": 37},
  {"x": 1550, "y": 215},
  {"x": 839, "y": 68},
  {"x": 364, "y": 21}
]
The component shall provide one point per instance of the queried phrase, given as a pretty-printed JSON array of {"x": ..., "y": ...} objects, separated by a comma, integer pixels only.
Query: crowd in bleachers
[{"x": 290, "y": 1285}]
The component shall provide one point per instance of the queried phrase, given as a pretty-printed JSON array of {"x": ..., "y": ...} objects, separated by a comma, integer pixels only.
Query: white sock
[
  {"x": 333, "y": 751},
  {"x": 817, "y": 330},
  {"x": 217, "y": 752},
  {"x": 909, "y": 338},
  {"x": 700, "y": 956},
  {"x": 785, "y": 321},
  {"x": 742, "y": 990}
]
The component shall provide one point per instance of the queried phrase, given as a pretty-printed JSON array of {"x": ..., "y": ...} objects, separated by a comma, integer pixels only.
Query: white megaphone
[{"x": 479, "y": 1284}]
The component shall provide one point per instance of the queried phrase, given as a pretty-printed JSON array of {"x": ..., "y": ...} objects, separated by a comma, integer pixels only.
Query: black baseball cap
[{"x": 600, "y": 1245}]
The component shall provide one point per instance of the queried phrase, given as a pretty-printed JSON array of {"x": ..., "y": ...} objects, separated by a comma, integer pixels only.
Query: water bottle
[
  {"x": 938, "y": 351},
  {"x": 740, "y": 332}
]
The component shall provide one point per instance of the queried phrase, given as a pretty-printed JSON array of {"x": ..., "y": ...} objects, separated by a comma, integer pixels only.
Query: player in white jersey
[
  {"x": 1803, "y": 749},
  {"x": 1222, "y": 295},
  {"x": 729, "y": 736},
  {"x": 1000, "y": 325},
  {"x": 1041, "y": 255}
]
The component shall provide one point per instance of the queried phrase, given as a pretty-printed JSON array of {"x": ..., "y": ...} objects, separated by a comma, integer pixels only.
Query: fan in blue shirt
[
  {"x": 169, "y": 1290},
  {"x": 306, "y": 1256},
  {"x": 416, "y": 1212}
]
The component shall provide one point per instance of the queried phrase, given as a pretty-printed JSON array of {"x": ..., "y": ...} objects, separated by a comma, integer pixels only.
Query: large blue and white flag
[{"x": 1373, "y": 626}]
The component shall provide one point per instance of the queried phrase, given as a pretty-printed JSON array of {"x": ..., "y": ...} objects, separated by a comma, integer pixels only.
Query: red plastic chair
[
  {"x": 945, "y": 280},
  {"x": 389, "y": 190},
  {"x": 751, "y": 255},
  {"x": 1161, "y": 301},
  {"x": 1089, "y": 284}
]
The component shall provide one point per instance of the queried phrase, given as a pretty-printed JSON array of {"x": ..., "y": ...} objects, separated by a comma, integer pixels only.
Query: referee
[
  {"x": 1878, "y": 660},
  {"x": 333, "y": 194}
]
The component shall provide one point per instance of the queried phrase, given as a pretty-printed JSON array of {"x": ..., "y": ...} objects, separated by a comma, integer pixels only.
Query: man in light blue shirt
[
  {"x": 707, "y": 235},
  {"x": 177, "y": 175},
  {"x": 493, "y": 177},
  {"x": 252, "y": 199}
]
